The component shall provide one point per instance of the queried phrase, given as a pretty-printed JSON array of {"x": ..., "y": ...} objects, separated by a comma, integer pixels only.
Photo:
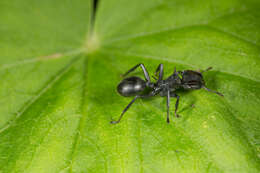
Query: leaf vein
[
  {"x": 178, "y": 62},
  {"x": 41, "y": 58},
  {"x": 41, "y": 92}
]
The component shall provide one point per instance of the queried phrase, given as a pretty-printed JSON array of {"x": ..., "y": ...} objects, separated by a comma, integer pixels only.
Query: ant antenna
[
  {"x": 209, "y": 68},
  {"x": 213, "y": 91}
]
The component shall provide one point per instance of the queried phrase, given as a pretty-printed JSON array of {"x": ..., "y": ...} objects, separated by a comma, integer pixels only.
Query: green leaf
[{"x": 59, "y": 72}]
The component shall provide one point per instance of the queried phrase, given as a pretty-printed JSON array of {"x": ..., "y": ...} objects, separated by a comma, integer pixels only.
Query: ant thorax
[{"x": 173, "y": 81}]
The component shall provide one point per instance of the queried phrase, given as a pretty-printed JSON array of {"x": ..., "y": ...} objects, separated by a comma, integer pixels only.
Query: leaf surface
[{"x": 59, "y": 78}]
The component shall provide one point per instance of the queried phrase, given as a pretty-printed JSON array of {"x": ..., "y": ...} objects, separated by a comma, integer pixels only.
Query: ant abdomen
[{"x": 131, "y": 86}]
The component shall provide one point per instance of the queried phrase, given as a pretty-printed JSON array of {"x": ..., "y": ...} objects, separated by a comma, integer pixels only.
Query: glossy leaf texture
[{"x": 59, "y": 71}]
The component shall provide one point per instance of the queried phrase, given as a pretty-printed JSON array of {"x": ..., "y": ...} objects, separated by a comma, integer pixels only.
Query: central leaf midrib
[{"x": 79, "y": 130}]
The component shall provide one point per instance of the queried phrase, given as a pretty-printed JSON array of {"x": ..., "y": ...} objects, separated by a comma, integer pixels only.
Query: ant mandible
[{"x": 135, "y": 86}]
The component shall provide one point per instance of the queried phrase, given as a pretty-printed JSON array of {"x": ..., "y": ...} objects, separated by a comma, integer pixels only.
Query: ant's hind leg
[
  {"x": 176, "y": 104},
  {"x": 146, "y": 74},
  {"x": 126, "y": 108}
]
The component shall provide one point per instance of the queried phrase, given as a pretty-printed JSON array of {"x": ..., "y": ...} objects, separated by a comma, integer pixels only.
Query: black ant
[{"x": 135, "y": 86}]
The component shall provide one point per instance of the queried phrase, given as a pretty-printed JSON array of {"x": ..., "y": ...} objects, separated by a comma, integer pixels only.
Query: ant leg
[
  {"x": 146, "y": 74},
  {"x": 178, "y": 72},
  {"x": 168, "y": 106},
  {"x": 154, "y": 77},
  {"x": 126, "y": 108},
  {"x": 160, "y": 70},
  {"x": 202, "y": 71},
  {"x": 213, "y": 91},
  {"x": 176, "y": 104}
]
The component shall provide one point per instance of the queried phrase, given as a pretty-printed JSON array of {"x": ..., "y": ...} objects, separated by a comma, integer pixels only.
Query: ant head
[
  {"x": 131, "y": 86},
  {"x": 192, "y": 80}
]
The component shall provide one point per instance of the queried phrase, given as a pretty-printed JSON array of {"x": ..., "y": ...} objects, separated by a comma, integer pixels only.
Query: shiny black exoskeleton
[{"x": 135, "y": 86}]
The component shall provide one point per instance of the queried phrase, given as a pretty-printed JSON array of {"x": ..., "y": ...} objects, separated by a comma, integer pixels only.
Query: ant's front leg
[
  {"x": 176, "y": 104},
  {"x": 213, "y": 91},
  {"x": 146, "y": 74}
]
